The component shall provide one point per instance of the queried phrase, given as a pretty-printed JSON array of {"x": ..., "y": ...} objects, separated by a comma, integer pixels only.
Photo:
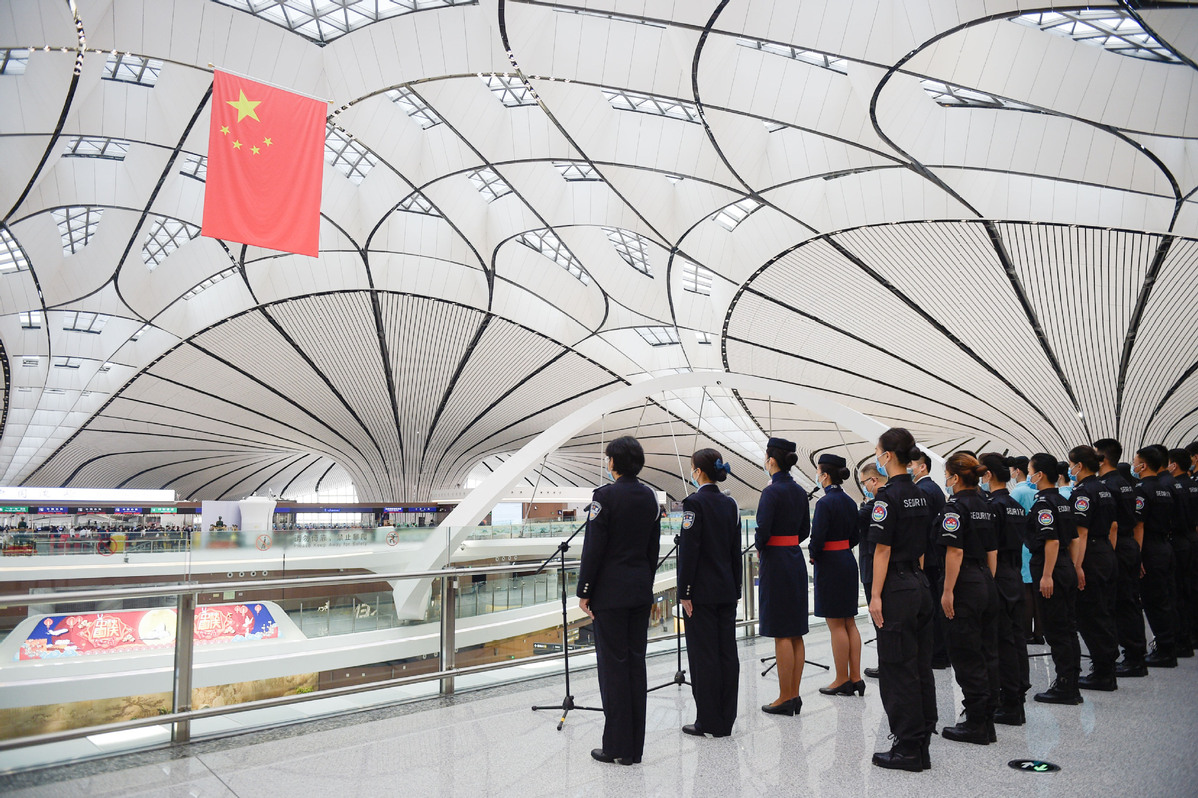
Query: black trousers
[
  {"x": 1183, "y": 571},
  {"x": 1096, "y": 607},
  {"x": 1059, "y": 614},
  {"x": 1157, "y": 591},
  {"x": 935, "y": 574},
  {"x": 621, "y": 635},
  {"x": 1013, "y": 678},
  {"x": 905, "y": 655},
  {"x": 972, "y": 637},
  {"x": 1129, "y": 612},
  {"x": 714, "y": 665}
]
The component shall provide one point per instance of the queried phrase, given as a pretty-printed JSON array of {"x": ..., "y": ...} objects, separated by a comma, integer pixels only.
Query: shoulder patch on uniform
[
  {"x": 1082, "y": 504},
  {"x": 1139, "y": 502},
  {"x": 879, "y": 513},
  {"x": 1045, "y": 517},
  {"x": 951, "y": 522},
  {"x": 688, "y": 519},
  {"x": 593, "y": 510}
]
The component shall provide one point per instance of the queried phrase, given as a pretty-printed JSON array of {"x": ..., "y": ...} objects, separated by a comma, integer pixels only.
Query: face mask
[
  {"x": 878, "y": 463},
  {"x": 1135, "y": 472},
  {"x": 1029, "y": 481},
  {"x": 869, "y": 495},
  {"x": 910, "y": 472},
  {"x": 609, "y": 474},
  {"x": 766, "y": 468},
  {"x": 694, "y": 481},
  {"x": 984, "y": 486},
  {"x": 948, "y": 489}
]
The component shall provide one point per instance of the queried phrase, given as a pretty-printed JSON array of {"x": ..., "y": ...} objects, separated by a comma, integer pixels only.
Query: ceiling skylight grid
[
  {"x": 211, "y": 281},
  {"x": 703, "y": 338},
  {"x": 585, "y": 12},
  {"x": 65, "y": 362},
  {"x": 633, "y": 248},
  {"x": 12, "y": 257},
  {"x": 575, "y": 171},
  {"x": 649, "y": 104},
  {"x": 195, "y": 166},
  {"x": 166, "y": 235},
  {"x": 732, "y": 215},
  {"x": 813, "y": 57},
  {"x": 137, "y": 335},
  {"x": 413, "y": 106},
  {"x": 488, "y": 183},
  {"x": 548, "y": 244},
  {"x": 1109, "y": 28},
  {"x": 950, "y": 96},
  {"x": 31, "y": 320},
  {"x": 695, "y": 278},
  {"x": 659, "y": 336},
  {"x": 79, "y": 321},
  {"x": 417, "y": 203},
  {"x": 347, "y": 156},
  {"x": 30, "y": 361},
  {"x": 97, "y": 147},
  {"x": 326, "y": 20},
  {"x": 77, "y": 224},
  {"x": 129, "y": 68},
  {"x": 510, "y": 89},
  {"x": 13, "y": 61}
]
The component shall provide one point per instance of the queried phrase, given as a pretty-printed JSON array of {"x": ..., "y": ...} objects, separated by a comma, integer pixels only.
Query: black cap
[
  {"x": 781, "y": 444},
  {"x": 833, "y": 460}
]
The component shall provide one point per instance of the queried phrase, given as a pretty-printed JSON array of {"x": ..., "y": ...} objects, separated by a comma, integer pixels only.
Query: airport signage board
[
  {"x": 14, "y": 509},
  {"x": 126, "y": 511},
  {"x": 163, "y": 510},
  {"x": 52, "y": 511}
]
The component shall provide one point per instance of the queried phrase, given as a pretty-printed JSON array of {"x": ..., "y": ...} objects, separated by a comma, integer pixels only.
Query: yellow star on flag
[
  {"x": 245, "y": 107},
  {"x": 267, "y": 142},
  {"x": 236, "y": 145},
  {"x": 254, "y": 150},
  {"x": 224, "y": 129}
]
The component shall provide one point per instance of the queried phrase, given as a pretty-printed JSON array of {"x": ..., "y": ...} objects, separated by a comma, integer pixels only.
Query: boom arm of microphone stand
[{"x": 562, "y": 548}]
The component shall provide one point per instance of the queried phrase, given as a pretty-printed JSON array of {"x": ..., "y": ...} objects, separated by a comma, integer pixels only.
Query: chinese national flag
[{"x": 265, "y": 164}]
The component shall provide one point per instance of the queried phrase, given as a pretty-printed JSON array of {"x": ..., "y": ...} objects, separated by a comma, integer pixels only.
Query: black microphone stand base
[
  {"x": 774, "y": 661},
  {"x": 680, "y": 674},
  {"x": 566, "y": 707},
  {"x": 679, "y": 679}
]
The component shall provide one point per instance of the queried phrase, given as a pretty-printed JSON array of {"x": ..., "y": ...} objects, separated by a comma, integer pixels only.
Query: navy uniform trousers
[
  {"x": 1013, "y": 671},
  {"x": 1096, "y": 608},
  {"x": 1129, "y": 612},
  {"x": 1060, "y": 619},
  {"x": 972, "y": 639},
  {"x": 905, "y": 680},
  {"x": 714, "y": 665},
  {"x": 621, "y": 636}
]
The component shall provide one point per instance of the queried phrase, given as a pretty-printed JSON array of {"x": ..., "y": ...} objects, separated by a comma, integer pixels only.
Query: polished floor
[{"x": 1141, "y": 741}]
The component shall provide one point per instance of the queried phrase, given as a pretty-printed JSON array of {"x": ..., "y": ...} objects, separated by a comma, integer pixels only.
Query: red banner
[
  {"x": 265, "y": 166},
  {"x": 142, "y": 630}
]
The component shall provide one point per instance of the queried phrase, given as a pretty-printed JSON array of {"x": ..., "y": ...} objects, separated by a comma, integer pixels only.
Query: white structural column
[{"x": 411, "y": 596}]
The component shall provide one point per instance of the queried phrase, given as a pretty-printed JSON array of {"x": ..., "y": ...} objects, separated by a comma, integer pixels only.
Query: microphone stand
[
  {"x": 680, "y": 674},
  {"x": 568, "y": 702},
  {"x": 773, "y": 660}
]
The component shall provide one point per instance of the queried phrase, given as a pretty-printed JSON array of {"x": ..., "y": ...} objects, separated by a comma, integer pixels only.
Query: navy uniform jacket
[
  {"x": 1095, "y": 508},
  {"x": 934, "y": 561},
  {"x": 782, "y": 511},
  {"x": 622, "y": 543},
  {"x": 1125, "y": 500},
  {"x": 709, "y": 564},
  {"x": 968, "y": 522},
  {"x": 865, "y": 555},
  {"x": 1154, "y": 502},
  {"x": 835, "y": 519},
  {"x": 1012, "y": 518},
  {"x": 900, "y": 519},
  {"x": 1049, "y": 519},
  {"x": 1185, "y": 497}
]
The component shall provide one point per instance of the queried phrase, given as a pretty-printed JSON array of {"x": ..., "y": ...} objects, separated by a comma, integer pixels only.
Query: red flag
[{"x": 265, "y": 163}]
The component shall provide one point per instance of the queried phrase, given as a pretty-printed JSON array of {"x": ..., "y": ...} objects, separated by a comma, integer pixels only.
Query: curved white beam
[{"x": 411, "y": 596}]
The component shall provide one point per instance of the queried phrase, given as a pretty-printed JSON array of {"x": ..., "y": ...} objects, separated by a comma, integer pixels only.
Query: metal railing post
[
  {"x": 448, "y": 627},
  {"x": 184, "y": 646},
  {"x": 750, "y": 589}
]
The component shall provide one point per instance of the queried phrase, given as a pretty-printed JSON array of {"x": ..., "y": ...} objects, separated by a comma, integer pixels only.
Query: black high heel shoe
[
  {"x": 791, "y": 707},
  {"x": 847, "y": 688}
]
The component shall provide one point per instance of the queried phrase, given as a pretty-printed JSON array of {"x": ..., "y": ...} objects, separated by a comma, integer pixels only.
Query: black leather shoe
[
  {"x": 599, "y": 755},
  {"x": 900, "y": 758},
  {"x": 871, "y": 673},
  {"x": 967, "y": 732},
  {"x": 791, "y": 707},
  {"x": 693, "y": 729},
  {"x": 1106, "y": 684},
  {"x": 1155, "y": 660},
  {"x": 1060, "y": 692},
  {"x": 1131, "y": 669},
  {"x": 1010, "y": 715},
  {"x": 849, "y": 687}
]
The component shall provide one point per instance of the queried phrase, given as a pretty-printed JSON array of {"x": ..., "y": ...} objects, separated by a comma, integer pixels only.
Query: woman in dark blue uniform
[
  {"x": 833, "y": 536},
  {"x": 783, "y": 522},
  {"x": 615, "y": 588},
  {"x": 968, "y": 538},
  {"x": 709, "y": 582},
  {"x": 1013, "y": 672},
  {"x": 901, "y": 607}
]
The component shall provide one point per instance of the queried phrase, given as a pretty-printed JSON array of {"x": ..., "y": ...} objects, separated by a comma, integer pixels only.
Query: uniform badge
[
  {"x": 951, "y": 523},
  {"x": 688, "y": 519},
  {"x": 1045, "y": 517},
  {"x": 1139, "y": 503},
  {"x": 593, "y": 510},
  {"x": 879, "y": 513},
  {"x": 1082, "y": 504}
]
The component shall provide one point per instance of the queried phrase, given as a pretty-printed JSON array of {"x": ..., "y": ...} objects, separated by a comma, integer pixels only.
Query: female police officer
[
  {"x": 783, "y": 522},
  {"x": 709, "y": 580},
  {"x": 901, "y": 607},
  {"x": 615, "y": 588},
  {"x": 833, "y": 535}
]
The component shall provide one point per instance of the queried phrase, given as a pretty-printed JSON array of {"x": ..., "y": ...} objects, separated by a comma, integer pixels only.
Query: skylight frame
[
  {"x": 695, "y": 278},
  {"x": 66, "y": 362},
  {"x": 334, "y": 19},
  {"x": 14, "y": 60},
  {"x": 730, "y": 216},
  {"x": 659, "y": 335},
  {"x": 30, "y": 319},
  {"x": 577, "y": 171},
  {"x": 652, "y": 104},
  {"x": 195, "y": 166},
  {"x": 12, "y": 256},
  {"x": 77, "y": 225},
  {"x": 950, "y": 95},
  {"x": 547, "y": 243},
  {"x": 417, "y": 202},
  {"x": 82, "y": 321},
  {"x": 815, "y": 58},
  {"x": 209, "y": 282},
  {"x": 103, "y": 147},
  {"x": 509, "y": 89},
  {"x": 704, "y": 338},
  {"x": 632, "y": 247},
  {"x": 347, "y": 156},
  {"x": 137, "y": 335},
  {"x": 166, "y": 235},
  {"x": 489, "y": 183},
  {"x": 1112, "y": 29},
  {"x": 129, "y": 68},
  {"x": 414, "y": 106}
]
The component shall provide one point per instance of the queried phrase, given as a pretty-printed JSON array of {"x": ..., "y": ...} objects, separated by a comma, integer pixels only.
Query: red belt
[
  {"x": 836, "y": 545},
  {"x": 783, "y": 540}
]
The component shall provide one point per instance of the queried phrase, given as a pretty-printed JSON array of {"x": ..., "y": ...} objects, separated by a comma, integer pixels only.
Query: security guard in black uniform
[
  {"x": 1179, "y": 460},
  {"x": 615, "y": 588},
  {"x": 1048, "y": 533},
  {"x": 1185, "y": 546},
  {"x": 1158, "y": 587},
  {"x": 1129, "y": 612},
  {"x": 933, "y": 560},
  {"x": 901, "y": 607},
  {"x": 872, "y": 481},
  {"x": 968, "y": 541},
  {"x": 1011, "y": 518},
  {"x": 1095, "y": 513},
  {"x": 709, "y": 584}
]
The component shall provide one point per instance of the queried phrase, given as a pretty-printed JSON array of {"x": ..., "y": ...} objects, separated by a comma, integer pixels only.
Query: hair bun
[
  {"x": 914, "y": 454},
  {"x": 791, "y": 459},
  {"x": 844, "y": 474}
]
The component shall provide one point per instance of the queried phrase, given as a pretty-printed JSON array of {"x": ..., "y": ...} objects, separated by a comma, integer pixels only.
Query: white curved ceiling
[{"x": 974, "y": 219}]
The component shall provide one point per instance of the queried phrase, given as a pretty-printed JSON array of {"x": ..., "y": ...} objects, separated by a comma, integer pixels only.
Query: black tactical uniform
[
  {"x": 933, "y": 568},
  {"x": 1158, "y": 587},
  {"x": 1129, "y": 612},
  {"x": 1013, "y": 680},
  {"x": 1184, "y": 555},
  {"x": 1050, "y": 519},
  {"x": 1095, "y": 510}
]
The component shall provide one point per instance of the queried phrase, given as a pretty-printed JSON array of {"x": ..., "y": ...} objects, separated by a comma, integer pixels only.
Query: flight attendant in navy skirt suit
[
  {"x": 783, "y": 522},
  {"x": 833, "y": 535}
]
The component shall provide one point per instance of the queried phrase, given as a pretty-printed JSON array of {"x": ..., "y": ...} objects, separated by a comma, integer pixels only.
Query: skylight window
[
  {"x": 548, "y": 244},
  {"x": 30, "y": 362},
  {"x": 12, "y": 257},
  {"x": 633, "y": 248},
  {"x": 31, "y": 320},
  {"x": 773, "y": 127},
  {"x": 659, "y": 336},
  {"x": 77, "y": 224},
  {"x": 703, "y": 338},
  {"x": 510, "y": 89},
  {"x": 13, "y": 62},
  {"x": 137, "y": 335},
  {"x": 417, "y": 203},
  {"x": 488, "y": 183},
  {"x": 129, "y": 68},
  {"x": 326, "y": 20},
  {"x": 107, "y": 367},
  {"x": 732, "y": 215},
  {"x": 813, "y": 57},
  {"x": 78, "y": 321},
  {"x": 166, "y": 235},
  {"x": 1108, "y": 28},
  {"x": 347, "y": 156},
  {"x": 211, "y": 281},
  {"x": 951, "y": 96},
  {"x": 97, "y": 147},
  {"x": 574, "y": 171},
  {"x": 64, "y": 362},
  {"x": 695, "y": 278},
  {"x": 583, "y": 12},
  {"x": 414, "y": 107},
  {"x": 649, "y": 104},
  {"x": 195, "y": 166}
]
